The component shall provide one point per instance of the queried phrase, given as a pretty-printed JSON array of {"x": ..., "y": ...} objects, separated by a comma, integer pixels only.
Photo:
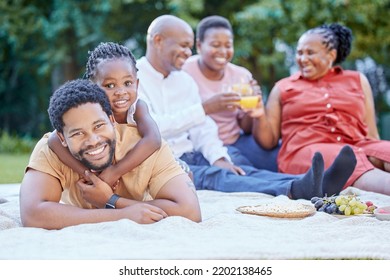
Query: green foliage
[
  {"x": 12, "y": 167},
  {"x": 257, "y": 28},
  {"x": 16, "y": 144},
  {"x": 262, "y": 27},
  {"x": 45, "y": 43}
]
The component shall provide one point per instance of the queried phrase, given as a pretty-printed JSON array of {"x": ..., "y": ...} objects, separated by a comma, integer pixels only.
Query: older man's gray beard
[{"x": 90, "y": 165}]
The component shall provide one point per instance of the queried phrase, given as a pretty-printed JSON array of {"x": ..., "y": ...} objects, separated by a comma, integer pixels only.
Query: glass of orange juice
[{"x": 248, "y": 100}]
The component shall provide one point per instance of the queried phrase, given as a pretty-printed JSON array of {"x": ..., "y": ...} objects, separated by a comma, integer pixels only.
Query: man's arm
[
  {"x": 177, "y": 197},
  {"x": 63, "y": 154},
  {"x": 40, "y": 206}
]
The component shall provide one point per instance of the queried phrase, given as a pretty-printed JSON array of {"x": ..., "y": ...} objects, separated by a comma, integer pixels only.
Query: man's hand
[
  {"x": 99, "y": 192},
  {"x": 94, "y": 190},
  {"x": 223, "y": 163},
  {"x": 144, "y": 213}
]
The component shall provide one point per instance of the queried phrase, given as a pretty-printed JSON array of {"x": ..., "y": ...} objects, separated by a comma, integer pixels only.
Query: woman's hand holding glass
[
  {"x": 249, "y": 91},
  {"x": 251, "y": 101},
  {"x": 238, "y": 95},
  {"x": 222, "y": 102},
  {"x": 255, "y": 107}
]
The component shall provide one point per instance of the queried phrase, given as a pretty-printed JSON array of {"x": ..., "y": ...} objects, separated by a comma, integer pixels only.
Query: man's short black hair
[{"x": 73, "y": 94}]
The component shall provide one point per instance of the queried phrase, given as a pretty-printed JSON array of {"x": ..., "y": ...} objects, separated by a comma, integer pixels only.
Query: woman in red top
[{"x": 323, "y": 108}]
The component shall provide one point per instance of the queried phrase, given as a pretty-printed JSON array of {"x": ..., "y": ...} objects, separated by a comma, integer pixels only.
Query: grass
[{"x": 12, "y": 167}]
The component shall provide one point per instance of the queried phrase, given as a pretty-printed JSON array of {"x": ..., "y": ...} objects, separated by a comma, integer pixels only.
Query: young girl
[{"x": 113, "y": 68}]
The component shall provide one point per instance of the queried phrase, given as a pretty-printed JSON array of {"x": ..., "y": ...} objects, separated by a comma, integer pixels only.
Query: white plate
[{"x": 382, "y": 213}]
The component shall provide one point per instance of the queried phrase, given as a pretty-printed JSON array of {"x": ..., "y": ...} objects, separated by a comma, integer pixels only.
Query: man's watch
[{"x": 110, "y": 204}]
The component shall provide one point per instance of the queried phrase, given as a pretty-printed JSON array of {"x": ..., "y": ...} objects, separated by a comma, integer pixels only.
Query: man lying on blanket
[{"x": 53, "y": 196}]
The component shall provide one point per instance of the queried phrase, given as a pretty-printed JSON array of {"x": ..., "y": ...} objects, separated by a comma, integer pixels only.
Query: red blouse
[{"x": 324, "y": 115}]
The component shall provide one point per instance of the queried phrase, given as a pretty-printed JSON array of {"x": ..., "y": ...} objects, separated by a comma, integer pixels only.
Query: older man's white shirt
[{"x": 175, "y": 105}]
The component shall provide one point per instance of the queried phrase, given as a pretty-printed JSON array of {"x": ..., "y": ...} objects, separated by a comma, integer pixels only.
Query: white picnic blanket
[{"x": 224, "y": 233}]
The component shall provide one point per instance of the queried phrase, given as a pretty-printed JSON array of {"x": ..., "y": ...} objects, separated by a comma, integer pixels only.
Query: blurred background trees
[{"x": 45, "y": 43}]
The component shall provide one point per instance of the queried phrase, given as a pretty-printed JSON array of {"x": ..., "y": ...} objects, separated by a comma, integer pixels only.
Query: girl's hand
[{"x": 110, "y": 176}]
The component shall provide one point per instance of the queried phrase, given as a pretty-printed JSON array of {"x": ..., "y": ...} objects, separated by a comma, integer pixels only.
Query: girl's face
[
  {"x": 313, "y": 58},
  {"x": 217, "y": 49},
  {"x": 118, "y": 78}
]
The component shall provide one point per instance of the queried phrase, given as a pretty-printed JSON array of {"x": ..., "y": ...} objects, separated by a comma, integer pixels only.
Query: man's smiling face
[{"x": 90, "y": 136}]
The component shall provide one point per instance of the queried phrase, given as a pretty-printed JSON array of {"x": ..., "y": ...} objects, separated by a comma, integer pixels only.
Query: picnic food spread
[
  {"x": 343, "y": 205},
  {"x": 340, "y": 206}
]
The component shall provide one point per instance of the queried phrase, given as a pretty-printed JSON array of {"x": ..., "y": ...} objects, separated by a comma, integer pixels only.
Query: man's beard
[{"x": 92, "y": 166}]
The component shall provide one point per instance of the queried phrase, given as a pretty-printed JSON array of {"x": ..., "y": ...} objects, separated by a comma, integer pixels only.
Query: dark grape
[
  {"x": 322, "y": 208},
  {"x": 319, "y": 203},
  {"x": 331, "y": 208},
  {"x": 327, "y": 209},
  {"x": 315, "y": 199}
]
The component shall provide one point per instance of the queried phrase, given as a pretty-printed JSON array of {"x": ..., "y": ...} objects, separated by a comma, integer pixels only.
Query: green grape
[
  {"x": 341, "y": 204},
  {"x": 352, "y": 202},
  {"x": 342, "y": 207},
  {"x": 363, "y": 206},
  {"x": 339, "y": 200},
  {"x": 347, "y": 211},
  {"x": 344, "y": 200}
]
